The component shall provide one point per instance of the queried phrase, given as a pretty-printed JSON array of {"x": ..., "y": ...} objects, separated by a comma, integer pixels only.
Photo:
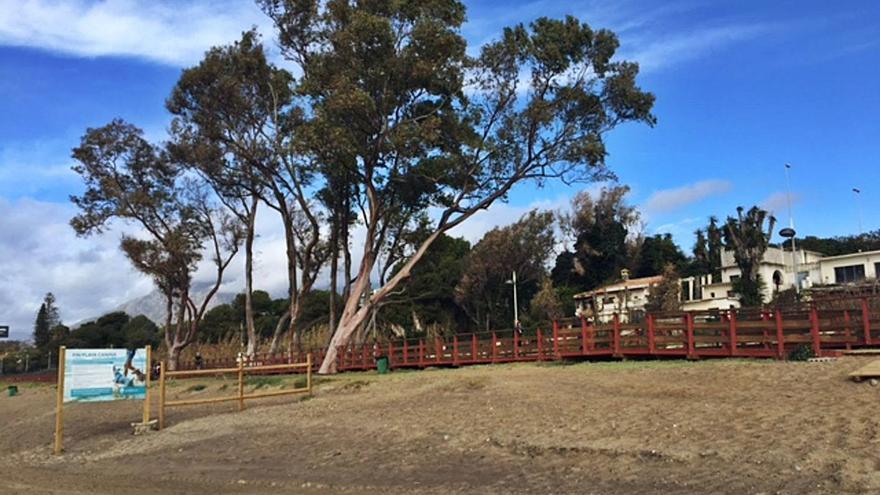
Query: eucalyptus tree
[
  {"x": 235, "y": 122},
  {"x": 747, "y": 237},
  {"x": 130, "y": 179},
  {"x": 390, "y": 84}
]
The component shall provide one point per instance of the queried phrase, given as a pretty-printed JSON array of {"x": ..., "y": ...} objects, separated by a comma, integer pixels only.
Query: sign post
[
  {"x": 59, "y": 403},
  {"x": 98, "y": 375}
]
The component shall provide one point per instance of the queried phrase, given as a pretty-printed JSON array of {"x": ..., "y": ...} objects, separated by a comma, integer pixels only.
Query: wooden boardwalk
[{"x": 746, "y": 333}]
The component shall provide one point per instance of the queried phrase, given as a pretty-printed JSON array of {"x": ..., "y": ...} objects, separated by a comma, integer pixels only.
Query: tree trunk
[
  {"x": 334, "y": 268},
  {"x": 354, "y": 313},
  {"x": 249, "y": 279},
  {"x": 174, "y": 356}
]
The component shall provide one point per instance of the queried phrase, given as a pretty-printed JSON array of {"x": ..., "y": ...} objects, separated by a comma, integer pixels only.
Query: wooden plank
[
  {"x": 871, "y": 370},
  {"x": 59, "y": 404}
]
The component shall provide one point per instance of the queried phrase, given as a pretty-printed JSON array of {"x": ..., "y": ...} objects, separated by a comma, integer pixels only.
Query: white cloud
[
  {"x": 659, "y": 52},
  {"x": 777, "y": 203},
  {"x": 667, "y": 200},
  {"x": 166, "y": 31},
  {"x": 40, "y": 253}
]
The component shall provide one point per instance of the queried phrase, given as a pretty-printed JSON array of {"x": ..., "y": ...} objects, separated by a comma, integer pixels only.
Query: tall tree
[
  {"x": 130, "y": 179},
  {"x": 47, "y": 320},
  {"x": 600, "y": 228},
  {"x": 747, "y": 236},
  {"x": 235, "y": 123},
  {"x": 655, "y": 253},
  {"x": 666, "y": 295},
  {"x": 522, "y": 247},
  {"x": 390, "y": 84}
]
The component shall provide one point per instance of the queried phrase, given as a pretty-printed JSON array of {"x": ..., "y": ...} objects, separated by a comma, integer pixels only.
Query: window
[
  {"x": 849, "y": 274},
  {"x": 877, "y": 270},
  {"x": 734, "y": 278},
  {"x": 685, "y": 290}
]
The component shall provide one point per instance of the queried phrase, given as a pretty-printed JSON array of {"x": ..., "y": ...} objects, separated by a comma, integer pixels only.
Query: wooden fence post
[
  {"x": 540, "y": 345},
  {"x": 515, "y": 344},
  {"x": 814, "y": 331},
  {"x": 494, "y": 347},
  {"x": 309, "y": 372},
  {"x": 866, "y": 321},
  {"x": 584, "y": 346},
  {"x": 732, "y": 333},
  {"x": 556, "y": 339},
  {"x": 691, "y": 346},
  {"x": 652, "y": 345},
  {"x": 405, "y": 351},
  {"x": 390, "y": 354},
  {"x": 616, "y": 335},
  {"x": 474, "y": 347},
  {"x": 162, "y": 395},
  {"x": 421, "y": 352},
  {"x": 780, "y": 336},
  {"x": 437, "y": 349},
  {"x": 59, "y": 403},
  {"x": 241, "y": 385},
  {"x": 455, "y": 350},
  {"x": 147, "y": 385},
  {"x": 847, "y": 331}
]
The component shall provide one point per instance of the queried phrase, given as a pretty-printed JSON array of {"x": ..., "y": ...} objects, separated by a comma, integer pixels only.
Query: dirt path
[{"x": 618, "y": 428}]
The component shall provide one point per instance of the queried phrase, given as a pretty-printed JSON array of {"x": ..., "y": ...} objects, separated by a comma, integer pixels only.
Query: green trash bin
[
  {"x": 382, "y": 365},
  {"x": 12, "y": 390}
]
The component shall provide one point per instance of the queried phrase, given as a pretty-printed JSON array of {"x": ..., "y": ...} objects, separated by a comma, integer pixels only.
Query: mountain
[{"x": 152, "y": 305}]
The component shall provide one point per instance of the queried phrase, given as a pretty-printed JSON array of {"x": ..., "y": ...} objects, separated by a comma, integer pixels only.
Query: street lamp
[
  {"x": 858, "y": 193},
  {"x": 790, "y": 233},
  {"x": 515, "y": 303}
]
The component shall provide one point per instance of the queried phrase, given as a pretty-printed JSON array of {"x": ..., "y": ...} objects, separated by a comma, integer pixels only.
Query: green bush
[{"x": 802, "y": 352}]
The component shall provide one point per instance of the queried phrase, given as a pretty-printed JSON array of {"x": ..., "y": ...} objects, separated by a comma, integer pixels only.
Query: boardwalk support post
[
  {"x": 689, "y": 325},
  {"x": 616, "y": 336},
  {"x": 732, "y": 333},
  {"x": 780, "y": 336},
  {"x": 556, "y": 339},
  {"x": 814, "y": 331}
]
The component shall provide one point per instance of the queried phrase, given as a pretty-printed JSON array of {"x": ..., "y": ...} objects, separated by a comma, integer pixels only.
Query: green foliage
[
  {"x": 666, "y": 295},
  {"x": 751, "y": 294},
  {"x": 115, "y": 330},
  {"x": 600, "y": 228},
  {"x": 707, "y": 250},
  {"x": 523, "y": 247},
  {"x": 428, "y": 296},
  {"x": 656, "y": 254},
  {"x": 803, "y": 352},
  {"x": 834, "y": 246},
  {"x": 546, "y": 305},
  {"x": 47, "y": 320},
  {"x": 747, "y": 237}
]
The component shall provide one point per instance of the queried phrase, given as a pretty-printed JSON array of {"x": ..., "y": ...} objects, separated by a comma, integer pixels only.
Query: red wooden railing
[{"x": 756, "y": 333}]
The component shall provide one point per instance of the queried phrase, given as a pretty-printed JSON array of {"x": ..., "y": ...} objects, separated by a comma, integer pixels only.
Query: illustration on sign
[{"x": 92, "y": 375}]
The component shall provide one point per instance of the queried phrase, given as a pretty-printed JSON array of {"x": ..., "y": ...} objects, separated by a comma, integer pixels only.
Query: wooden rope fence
[{"x": 241, "y": 371}]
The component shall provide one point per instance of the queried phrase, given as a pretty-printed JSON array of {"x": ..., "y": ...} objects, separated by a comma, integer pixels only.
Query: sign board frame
[
  {"x": 4, "y": 331},
  {"x": 59, "y": 399}
]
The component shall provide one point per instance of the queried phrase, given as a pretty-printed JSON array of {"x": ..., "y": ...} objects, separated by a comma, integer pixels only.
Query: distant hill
[{"x": 152, "y": 305}]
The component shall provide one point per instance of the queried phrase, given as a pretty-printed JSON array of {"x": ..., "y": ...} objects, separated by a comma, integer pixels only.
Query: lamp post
[
  {"x": 858, "y": 193},
  {"x": 790, "y": 233},
  {"x": 512, "y": 281}
]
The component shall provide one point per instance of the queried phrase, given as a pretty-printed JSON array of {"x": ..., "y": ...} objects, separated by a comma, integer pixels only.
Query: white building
[
  {"x": 618, "y": 298},
  {"x": 780, "y": 270}
]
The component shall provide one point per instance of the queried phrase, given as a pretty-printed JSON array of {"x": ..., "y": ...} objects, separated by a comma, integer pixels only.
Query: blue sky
[{"x": 742, "y": 87}]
